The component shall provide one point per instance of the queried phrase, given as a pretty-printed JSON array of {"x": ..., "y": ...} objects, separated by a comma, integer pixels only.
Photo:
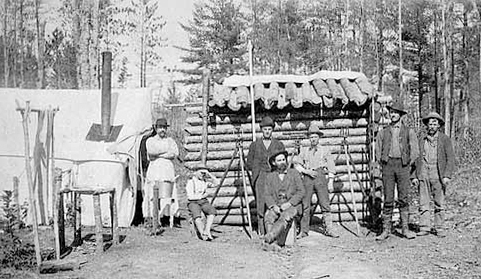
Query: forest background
[{"x": 425, "y": 52}]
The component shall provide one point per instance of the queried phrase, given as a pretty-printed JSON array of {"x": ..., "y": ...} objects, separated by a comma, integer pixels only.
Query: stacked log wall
[{"x": 225, "y": 130}]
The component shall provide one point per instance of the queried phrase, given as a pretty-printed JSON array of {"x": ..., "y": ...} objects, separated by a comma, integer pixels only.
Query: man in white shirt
[
  {"x": 161, "y": 151},
  {"x": 196, "y": 189}
]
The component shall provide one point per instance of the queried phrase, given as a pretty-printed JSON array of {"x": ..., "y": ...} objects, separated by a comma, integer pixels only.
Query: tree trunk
[
  {"x": 401, "y": 89},
  {"x": 15, "y": 46},
  {"x": 94, "y": 49},
  {"x": 361, "y": 38},
  {"x": 447, "y": 97},
  {"x": 22, "y": 47},
  {"x": 40, "y": 26},
  {"x": 5, "y": 44},
  {"x": 436, "y": 63},
  {"x": 464, "y": 97},
  {"x": 420, "y": 70},
  {"x": 76, "y": 40},
  {"x": 85, "y": 44},
  {"x": 380, "y": 45}
]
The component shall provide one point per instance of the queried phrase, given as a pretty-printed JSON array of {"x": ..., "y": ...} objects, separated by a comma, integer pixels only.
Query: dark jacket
[
  {"x": 258, "y": 157},
  {"x": 291, "y": 187},
  {"x": 408, "y": 145},
  {"x": 446, "y": 162}
]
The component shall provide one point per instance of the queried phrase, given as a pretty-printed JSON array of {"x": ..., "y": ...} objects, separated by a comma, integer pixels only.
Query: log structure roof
[{"x": 322, "y": 88}]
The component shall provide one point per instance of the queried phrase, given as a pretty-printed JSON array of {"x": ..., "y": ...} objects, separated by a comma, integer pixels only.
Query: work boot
[
  {"x": 386, "y": 229},
  {"x": 328, "y": 227},
  {"x": 405, "y": 226}
]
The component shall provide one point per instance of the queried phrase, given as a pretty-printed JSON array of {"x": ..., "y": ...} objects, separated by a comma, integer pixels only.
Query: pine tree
[{"x": 216, "y": 39}]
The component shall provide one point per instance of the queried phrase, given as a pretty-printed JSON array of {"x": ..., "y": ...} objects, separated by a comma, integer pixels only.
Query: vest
[{"x": 403, "y": 145}]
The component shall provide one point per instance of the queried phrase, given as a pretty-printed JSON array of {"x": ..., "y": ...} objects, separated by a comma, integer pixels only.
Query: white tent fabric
[{"x": 78, "y": 110}]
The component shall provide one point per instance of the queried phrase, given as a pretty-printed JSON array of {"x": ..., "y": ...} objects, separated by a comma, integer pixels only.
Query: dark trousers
[
  {"x": 277, "y": 223},
  {"x": 316, "y": 185},
  {"x": 259, "y": 189},
  {"x": 394, "y": 173}
]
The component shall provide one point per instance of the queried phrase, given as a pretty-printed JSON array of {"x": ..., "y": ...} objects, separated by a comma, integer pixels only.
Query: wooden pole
[
  {"x": 16, "y": 181},
  {"x": 251, "y": 90},
  {"x": 58, "y": 224},
  {"x": 205, "y": 116},
  {"x": 98, "y": 224},
  {"x": 33, "y": 203},
  {"x": 243, "y": 173},
  {"x": 352, "y": 192}
]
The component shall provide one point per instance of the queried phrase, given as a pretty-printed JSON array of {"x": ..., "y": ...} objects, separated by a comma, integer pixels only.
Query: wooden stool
[{"x": 95, "y": 193}]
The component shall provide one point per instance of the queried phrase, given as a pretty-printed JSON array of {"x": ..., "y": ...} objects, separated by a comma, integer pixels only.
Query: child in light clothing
[{"x": 196, "y": 189}]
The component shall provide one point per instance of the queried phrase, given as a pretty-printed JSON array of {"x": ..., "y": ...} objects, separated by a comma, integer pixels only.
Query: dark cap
[
  {"x": 161, "y": 122},
  {"x": 267, "y": 121},
  {"x": 276, "y": 153}
]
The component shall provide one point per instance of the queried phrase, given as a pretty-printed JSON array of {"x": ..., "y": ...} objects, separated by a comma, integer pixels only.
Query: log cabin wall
[{"x": 332, "y": 100}]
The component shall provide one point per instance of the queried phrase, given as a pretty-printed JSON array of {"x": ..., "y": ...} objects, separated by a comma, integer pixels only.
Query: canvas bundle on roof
[{"x": 89, "y": 163}]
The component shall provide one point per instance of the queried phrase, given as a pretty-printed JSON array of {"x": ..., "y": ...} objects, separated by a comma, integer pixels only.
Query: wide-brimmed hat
[
  {"x": 161, "y": 122},
  {"x": 314, "y": 129},
  {"x": 433, "y": 115},
  {"x": 398, "y": 106},
  {"x": 277, "y": 152},
  {"x": 267, "y": 121}
]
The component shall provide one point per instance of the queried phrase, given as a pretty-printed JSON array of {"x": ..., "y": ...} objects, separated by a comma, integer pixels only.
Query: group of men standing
[
  {"x": 283, "y": 189},
  {"x": 284, "y": 193}
]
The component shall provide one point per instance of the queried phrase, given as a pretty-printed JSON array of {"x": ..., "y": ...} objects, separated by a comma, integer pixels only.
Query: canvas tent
[{"x": 90, "y": 163}]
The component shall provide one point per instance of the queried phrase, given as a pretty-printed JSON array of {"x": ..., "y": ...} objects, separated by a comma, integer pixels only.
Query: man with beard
[
  {"x": 257, "y": 161},
  {"x": 283, "y": 194},
  {"x": 161, "y": 150},
  {"x": 434, "y": 170},
  {"x": 397, "y": 149},
  {"x": 315, "y": 163}
]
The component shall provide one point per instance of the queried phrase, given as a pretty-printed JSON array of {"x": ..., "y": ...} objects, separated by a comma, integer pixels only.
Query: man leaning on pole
[
  {"x": 434, "y": 169},
  {"x": 397, "y": 150}
]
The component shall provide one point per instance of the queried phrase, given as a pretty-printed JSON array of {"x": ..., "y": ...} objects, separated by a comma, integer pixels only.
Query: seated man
[
  {"x": 283, "y": 194},
  {"x": 196, "y": 189}
]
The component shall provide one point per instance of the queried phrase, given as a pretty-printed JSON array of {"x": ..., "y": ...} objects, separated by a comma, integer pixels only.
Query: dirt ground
[{"x": 176, "y": 254}]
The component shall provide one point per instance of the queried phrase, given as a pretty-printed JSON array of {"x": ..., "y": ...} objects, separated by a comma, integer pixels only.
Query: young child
[{"x": 196, "y": 189}]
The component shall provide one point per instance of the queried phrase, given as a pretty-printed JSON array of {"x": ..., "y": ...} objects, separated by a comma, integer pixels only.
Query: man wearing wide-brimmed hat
[
  {"x": 434, "y": 169},
  {"x": 283, "y": 194},
  {"x": 317, "y": 166},
  {"x": 397, "y": 150},
  {"x": 161, "y": 150},
  {"x": 258, "y": 163}
]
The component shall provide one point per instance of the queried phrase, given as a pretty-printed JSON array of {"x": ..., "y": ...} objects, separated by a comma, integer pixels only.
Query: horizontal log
[
  {"x": 291, "y": 126},
  {"x": 229, "y": 190},
  {"x": 325, "y": 122},
  {"x": 242, "y": 220},
  {"x": 335, "y": 111},
  {"x": 334, "y": 209},
  {"x": 277, "y": 135},
  {"x": 235, "y": 202},
  {"x": 236, "y": 180},
  {"x": 220, "y": 155},
  {"x": 232, "y": 175},
  {"x": 221, "y": 165},
  {"x": 287, "y": 141}
]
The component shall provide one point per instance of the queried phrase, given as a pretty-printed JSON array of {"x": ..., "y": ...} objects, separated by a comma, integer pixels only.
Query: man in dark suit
[
  {"x": 434, "y": 169},
  {"x": 284, "y": 193},
  {"x": 257, "y": 161}
]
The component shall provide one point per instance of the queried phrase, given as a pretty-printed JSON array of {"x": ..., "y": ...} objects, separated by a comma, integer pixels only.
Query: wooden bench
[{"x": 95, "y": 193}]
